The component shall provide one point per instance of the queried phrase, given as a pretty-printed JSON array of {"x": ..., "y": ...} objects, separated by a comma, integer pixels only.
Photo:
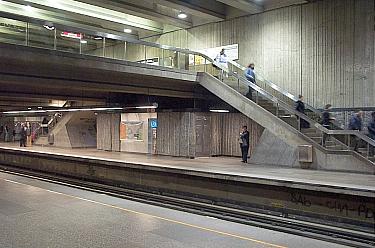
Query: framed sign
[{"x": 131, "y": 130}]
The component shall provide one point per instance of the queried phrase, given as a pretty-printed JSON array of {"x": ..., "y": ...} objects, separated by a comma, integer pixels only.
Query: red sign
[{"x": 71, "y": 35}]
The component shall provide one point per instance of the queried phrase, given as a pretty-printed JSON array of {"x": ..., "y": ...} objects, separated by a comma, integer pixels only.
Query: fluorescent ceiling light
[
  {"x": 146, "y": 107},
  {"x": 28, "y": 8},
  {"x": 127, "y": 30},
  {"x": 98, "y": 38},
  {"x": 182, "y": 15},
  {"x": 59, "y": 110},
  {"x": 50, "y": 28},
  {"x": 219, "y": 110},
  {"x": 154, "y": 106},
  {"x": 24, "y": 112}
]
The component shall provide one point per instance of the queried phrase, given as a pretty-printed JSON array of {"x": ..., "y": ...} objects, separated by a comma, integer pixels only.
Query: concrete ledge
[{"x": 258, "y": 179}]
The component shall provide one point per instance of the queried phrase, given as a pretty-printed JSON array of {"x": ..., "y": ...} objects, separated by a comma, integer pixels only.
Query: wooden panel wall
[
  {"x": 225, "y": 133},
  {"x": 108, "y": 132},
  {"x": 176, "y": 133},
  {"x": 324, "y": 50},
  {"x": 104, "y": 136}
]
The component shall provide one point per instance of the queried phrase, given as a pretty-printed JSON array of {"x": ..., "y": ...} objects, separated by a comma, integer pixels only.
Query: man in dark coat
[
  {"x": 300, "y": 107},
  {"x": 356, "y": 124},
  {"x": 371, "y": 131},
  {"x": 23, "y": 136},
  {"x": 326, "y": 121},
  {"x": 244, "y": 143}
]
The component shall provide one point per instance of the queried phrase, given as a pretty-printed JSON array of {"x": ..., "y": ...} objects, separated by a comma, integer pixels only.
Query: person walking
[
  {"x": 300, "y": 107},
  {"x": 222, "y": 59},
  {"x": 250, "y": 75},
  {"x": 371, "y": 132},
  {"x": 326, "y": 121},
  {"x": 244, "y": 143},
  {"x": 23, "y": 136},
  {"x": 355, "y": 124}
]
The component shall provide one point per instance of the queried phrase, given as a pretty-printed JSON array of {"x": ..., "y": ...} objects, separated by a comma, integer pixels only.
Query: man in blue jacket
[
  {"x": 371, "y": 131},
  {"x": 356, "y": 124},
  {"x": 250, "y": 75}
]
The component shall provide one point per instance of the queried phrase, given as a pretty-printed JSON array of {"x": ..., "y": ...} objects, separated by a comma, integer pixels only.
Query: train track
[{"x": 279, "y": 223}]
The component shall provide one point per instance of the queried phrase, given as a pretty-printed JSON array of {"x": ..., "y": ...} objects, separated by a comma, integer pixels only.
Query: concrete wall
[
  {"x": 324, "y": 50},
  {"x": 74, "y": 130}
]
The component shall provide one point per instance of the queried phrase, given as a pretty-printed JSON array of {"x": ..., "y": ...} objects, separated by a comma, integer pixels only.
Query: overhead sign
[{"x": 71, "y": 35}]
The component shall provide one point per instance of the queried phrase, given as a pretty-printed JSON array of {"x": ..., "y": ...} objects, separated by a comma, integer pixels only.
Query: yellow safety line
[{"x": 154, "y": 216}]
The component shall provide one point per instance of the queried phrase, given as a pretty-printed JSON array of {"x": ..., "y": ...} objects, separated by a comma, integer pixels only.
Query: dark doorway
[{"x": 203, "y": 136}]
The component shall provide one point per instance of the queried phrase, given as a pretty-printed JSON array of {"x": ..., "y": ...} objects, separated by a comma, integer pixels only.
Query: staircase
[
  {"x": 282, "y": 133},
  {"x": 339, "y": 141}
]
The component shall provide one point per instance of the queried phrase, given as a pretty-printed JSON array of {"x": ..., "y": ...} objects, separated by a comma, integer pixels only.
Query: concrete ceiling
[{"x": 144, "y": 17}]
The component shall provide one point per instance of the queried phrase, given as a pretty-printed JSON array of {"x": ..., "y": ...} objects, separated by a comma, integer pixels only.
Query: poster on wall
[
  {"x": 131, "y": 130},
  {"x": 230, "y": 50}
]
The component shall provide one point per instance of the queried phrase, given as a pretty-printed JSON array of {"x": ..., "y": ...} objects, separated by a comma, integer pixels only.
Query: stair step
[
  {"x": 290, "y": 120},
  {"x": 310, "y": 130},
  {"x": 364, "y": 150},
  {"x": 335, "y": 147}
]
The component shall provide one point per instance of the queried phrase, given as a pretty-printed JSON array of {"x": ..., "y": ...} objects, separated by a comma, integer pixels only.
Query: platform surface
[
  {"x": 222, "y": 165},
  {"x": 39, "y": 214}
]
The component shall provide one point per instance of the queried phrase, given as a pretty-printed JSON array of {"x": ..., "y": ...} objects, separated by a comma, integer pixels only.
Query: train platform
[
  {"x": 39, "y": 214},
  {"x": 225, "y": 167},
  {"x": 334, "y": 204}
]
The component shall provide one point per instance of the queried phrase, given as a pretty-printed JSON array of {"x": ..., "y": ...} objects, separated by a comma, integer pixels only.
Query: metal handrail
[
  {"x": 287, "y": 107},
  {"x": 276, "y": 87}
]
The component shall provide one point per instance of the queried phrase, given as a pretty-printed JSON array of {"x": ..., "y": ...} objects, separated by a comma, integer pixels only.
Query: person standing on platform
[
  {"x": 326, "y": 121},
  {"x": 23, "y": 136},
  {"x": 222, "y": 59},
  {"x": 7, "y": 134},
  {"x": 244, "y": 143},
  {"x": 28, "y": 134},
  {"x": 250, "y": 75},
  {"x": 371, "y": 132},
  {"x": 356, "y": 125},
  {"x": 300, "y": 107}
]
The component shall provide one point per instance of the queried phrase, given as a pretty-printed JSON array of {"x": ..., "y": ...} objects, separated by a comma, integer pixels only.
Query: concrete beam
[
  {"x": 60, "y": 11},
  {"x": 247, "y": 6},
  {"x": 136, "y": 9}
]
